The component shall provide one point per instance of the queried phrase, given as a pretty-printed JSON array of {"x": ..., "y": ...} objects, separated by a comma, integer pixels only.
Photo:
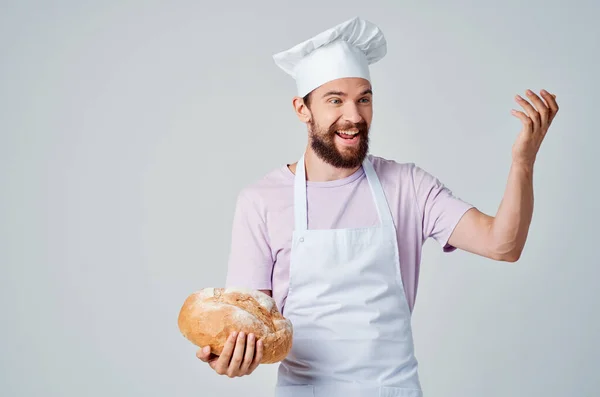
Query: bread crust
[{"x": 208, "y": 316}]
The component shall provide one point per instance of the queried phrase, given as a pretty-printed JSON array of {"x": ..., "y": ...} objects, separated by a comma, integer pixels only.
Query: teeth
[{"x": 348, "y": 132}]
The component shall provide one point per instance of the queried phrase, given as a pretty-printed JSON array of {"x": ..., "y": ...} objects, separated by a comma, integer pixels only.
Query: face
[{"x": 339, "y": 117}]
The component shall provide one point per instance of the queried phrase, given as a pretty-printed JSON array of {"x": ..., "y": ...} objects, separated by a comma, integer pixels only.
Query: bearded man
[{"x": 335, "y": 238}]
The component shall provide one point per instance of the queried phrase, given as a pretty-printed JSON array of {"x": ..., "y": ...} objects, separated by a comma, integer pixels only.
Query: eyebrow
[{"x": 340, "y": 93}]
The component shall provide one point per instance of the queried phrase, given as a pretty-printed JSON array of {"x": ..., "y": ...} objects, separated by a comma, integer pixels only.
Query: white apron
[{"x": 352, "y": 323}]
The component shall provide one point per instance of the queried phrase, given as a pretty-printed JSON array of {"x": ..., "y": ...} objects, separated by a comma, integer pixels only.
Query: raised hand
[
  {"x": 240, "y": 355},
  {"x": 536, "y": 120}
]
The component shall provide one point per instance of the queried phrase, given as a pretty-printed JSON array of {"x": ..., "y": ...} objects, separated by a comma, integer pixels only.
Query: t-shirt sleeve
[
  {"x": 250, "y": 262},
  {"x": 440, "y": 209}
]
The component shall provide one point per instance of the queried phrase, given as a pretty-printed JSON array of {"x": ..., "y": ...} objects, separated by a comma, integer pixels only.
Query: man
[{"x": 336, "y": 238}]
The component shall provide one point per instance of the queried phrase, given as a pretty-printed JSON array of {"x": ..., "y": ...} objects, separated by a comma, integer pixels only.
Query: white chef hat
[{"x": 345, "y": 50}]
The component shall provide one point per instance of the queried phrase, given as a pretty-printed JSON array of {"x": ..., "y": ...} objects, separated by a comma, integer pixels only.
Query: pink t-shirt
[{"x": 421, "y": 206}]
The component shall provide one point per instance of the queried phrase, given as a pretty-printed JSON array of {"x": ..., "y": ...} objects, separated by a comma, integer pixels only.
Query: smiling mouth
[{"x": 347, "y": 134}]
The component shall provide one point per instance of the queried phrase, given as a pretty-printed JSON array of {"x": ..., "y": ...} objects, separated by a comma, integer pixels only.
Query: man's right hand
[{"x": 240, "y": 356}]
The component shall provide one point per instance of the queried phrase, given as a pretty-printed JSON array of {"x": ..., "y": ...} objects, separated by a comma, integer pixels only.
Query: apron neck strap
[
  {"x": 383, "y": 209},
  {"x": 300, "y": 202}
]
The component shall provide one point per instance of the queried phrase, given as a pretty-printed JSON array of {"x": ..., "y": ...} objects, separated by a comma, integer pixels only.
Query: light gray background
[{"x": 119, "y": 120}]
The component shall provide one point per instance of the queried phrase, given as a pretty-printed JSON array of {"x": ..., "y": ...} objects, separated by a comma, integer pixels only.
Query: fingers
[
  {"x": 527, "y": 122},
  {"x": 542, "y": 109},
  {"x": 257, "y": 357},
  {"x": 552, "y": 104},
  {"x": 240, "y": 356},
  {"x": 540, "y": 115},
  {"x": 221, "y": 365},
  {"x": 204, "y": 354},
  {"x": 531, "y": 112},
  {"x": 237, "y": 357},
  {"x": 249, "y": 355}
]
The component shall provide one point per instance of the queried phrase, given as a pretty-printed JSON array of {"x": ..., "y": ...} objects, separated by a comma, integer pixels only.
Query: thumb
[{"x": 203, "y": 353}]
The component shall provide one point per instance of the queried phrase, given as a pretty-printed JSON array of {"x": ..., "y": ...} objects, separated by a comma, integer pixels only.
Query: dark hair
[{"x": 306, "y": 99}]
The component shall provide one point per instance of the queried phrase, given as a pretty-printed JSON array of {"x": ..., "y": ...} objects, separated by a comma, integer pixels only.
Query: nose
[{"x": 351, "y": 113}]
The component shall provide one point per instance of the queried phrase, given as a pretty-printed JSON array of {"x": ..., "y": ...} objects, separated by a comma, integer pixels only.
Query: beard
[{"x": 323, "y": 144}]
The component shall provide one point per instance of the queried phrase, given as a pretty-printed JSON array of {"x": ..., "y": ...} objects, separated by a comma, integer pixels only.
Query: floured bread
[{"x": 210, "y": 315}]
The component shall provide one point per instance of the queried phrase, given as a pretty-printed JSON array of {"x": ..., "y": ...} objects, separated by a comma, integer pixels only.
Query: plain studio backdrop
[{"x": 128, "y": 128}]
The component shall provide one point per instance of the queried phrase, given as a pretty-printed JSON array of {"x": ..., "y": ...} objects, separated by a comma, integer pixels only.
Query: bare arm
[{"x": 503, "y": 236}]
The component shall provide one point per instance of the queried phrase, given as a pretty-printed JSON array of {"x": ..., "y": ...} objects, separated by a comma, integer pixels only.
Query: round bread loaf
[{"x": 210, "y": 315}]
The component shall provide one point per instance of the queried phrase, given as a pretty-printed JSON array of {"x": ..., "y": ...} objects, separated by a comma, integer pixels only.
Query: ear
[{"x": 302, "y": 111}]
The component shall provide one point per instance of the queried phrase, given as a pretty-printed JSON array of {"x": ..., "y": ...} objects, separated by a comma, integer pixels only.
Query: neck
[{"x": 319, "y": 171}]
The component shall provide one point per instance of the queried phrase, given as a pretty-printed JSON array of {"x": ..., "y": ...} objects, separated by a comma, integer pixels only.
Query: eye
[
  {"x": 365, "y": 100},
  {"x": 335, "y": 101}
]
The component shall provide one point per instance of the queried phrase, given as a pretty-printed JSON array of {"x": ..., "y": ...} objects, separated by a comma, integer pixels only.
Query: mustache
[{"x": 360, "y": 126}]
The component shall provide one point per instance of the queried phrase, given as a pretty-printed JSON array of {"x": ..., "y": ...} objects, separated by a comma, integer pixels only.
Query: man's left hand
[{"x": 536, "y": 120}]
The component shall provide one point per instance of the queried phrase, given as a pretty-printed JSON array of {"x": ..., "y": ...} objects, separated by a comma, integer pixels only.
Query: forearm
[{"x": 510, "y": 226}]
